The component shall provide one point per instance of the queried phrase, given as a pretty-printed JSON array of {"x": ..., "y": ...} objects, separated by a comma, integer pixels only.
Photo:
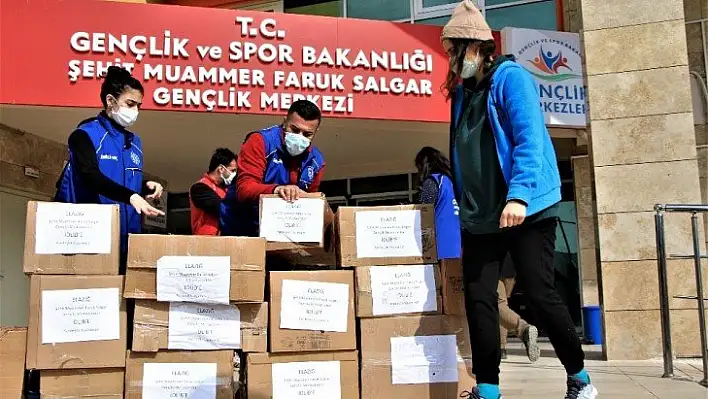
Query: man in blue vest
[{"x": 276, "y": 160}]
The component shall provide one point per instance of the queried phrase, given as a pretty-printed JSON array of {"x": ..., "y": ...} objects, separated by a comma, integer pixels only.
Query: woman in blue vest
[
  {"x": 105, "y": 163},
  {"x": 508, "y": 186},
  {"x": 436, "y": 188}
]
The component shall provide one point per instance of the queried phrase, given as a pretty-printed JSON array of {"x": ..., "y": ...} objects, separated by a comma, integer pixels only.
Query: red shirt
[
  {"x": 204, "y": 224},
  {"x": 252, "y": 164}
]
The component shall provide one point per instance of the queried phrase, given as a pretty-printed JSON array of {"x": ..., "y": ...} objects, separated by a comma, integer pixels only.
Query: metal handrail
[{"x": 664, "y": 306}]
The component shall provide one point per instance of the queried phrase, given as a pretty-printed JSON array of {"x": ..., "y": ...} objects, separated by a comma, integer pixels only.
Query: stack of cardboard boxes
[
  {"x": 408, "y": 347},
  {"x": 76, "y": 335},
  {"x": 359, "y": 298},
  {"x": 312, "y": 332},
  {"x": 197, "y": 300}
]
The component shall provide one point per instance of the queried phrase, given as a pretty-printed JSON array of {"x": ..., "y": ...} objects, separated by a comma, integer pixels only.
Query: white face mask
[
  {"x": 125, "y": 116},
  {"x": 295, "y": 143},
  {"x": 230, "y": 179},
  {"x": 469, "y": 68}
]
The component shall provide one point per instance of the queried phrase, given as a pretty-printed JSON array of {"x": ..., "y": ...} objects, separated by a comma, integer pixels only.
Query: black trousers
[{"x": 531, "y": 247}]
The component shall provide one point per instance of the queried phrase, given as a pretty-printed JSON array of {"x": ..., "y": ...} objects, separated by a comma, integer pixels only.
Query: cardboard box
[
  {"x": 315, "y": 373},
  {"x": 315, "y": 257},
  {"x": 388, "y": 345},
  {"x": 453, "y": 289},
  {"x": 312, "y": 311},
  {"x": 182, "y": 371},
  {"x": 13, "y": 341},
  {"x": 295, "y": 225},
  {"x": 246, "y": 260},
  {"x": 151, "y": 325},
  {"x": 76, "y": 322},
  {"x": 397, "y": 290},
  {"x": 386, "y": 235},
  {"x": 61, "y": 239},
  {"x": 89, "y": 383}
]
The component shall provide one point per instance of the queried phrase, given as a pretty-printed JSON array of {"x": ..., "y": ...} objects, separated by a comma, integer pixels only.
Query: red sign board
[{"x": 214, "y": 60}]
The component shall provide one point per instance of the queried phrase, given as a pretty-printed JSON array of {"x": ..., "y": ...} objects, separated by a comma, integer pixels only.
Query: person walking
[
  {"x": 436, "y": 189},
  {"x": 510, "y": 320},
  {"x": 508, "y": 186}
]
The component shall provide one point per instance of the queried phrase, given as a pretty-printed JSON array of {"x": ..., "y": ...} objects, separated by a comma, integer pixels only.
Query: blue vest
[
  {"x": 120, "y": 158},
  {"x": 447, "y": 221},
  {"x": 241, "y": 219}
]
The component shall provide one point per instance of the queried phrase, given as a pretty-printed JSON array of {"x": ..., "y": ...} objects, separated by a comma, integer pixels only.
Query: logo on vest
[
  {"x": 108, "y": 157},
  {"x": 135, "y": 158},
  {"x": 310, "y": 172}
]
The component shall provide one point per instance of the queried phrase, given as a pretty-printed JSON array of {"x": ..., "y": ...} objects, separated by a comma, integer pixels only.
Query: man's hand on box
[{"x": 289, "y": 193}]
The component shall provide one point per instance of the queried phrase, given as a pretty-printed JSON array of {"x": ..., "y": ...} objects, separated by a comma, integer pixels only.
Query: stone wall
[
  {"x": 587, "y": 228},
  {"x": 697, "y": 10},
  {"x": 643, "y": 150},
  {"x": 572, "y": 17}
]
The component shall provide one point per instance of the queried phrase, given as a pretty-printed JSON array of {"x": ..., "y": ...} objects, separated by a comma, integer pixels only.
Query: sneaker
[
  {"x": 474, "y": 394},
  {"x": 530, "y": 340},
  {"x": 578, "y": 389},
  {"x": 503, "y": 354}
]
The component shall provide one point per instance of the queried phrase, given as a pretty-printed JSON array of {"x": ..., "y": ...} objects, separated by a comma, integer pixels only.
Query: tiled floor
[{"x": 545, "y": 379}]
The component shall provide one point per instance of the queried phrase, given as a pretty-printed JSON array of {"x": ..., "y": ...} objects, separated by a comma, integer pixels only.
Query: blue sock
[
  {"x": 488, "y": 391},
  {"x": 583, "y": 376}
]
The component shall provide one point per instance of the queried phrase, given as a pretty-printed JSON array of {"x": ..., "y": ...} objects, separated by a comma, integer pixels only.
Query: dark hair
[
  {"x": 222, "y": 156},
  {"x": 459, "y": 49},
  {"x": 430, "y": 160},
  {"x": 306, "y": 109},
  {"x": 116, "y": 81}
]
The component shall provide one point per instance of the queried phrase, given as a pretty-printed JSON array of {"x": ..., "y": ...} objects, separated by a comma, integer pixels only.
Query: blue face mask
[{"x": 295, "y": 143}]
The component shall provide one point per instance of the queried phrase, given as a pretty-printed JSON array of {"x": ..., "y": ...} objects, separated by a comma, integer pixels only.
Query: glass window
[
  {"x": 434, "y": 21},
  {"x": 435, "y": 3},
  {"x": 379, "y": 184},
  {"x": 329, "y": 9},
  {"x": 379, "y": 9},
  {"x": 178, "y": 201},
  {"x": 498, "y": 2},
  {"x": 334, "y": 188},
  {"x": 541, "y": 15}
]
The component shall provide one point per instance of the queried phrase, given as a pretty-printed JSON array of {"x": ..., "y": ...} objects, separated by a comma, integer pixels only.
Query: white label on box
[
  {"x": 179, "y": 380},
  {"x": 424, "y": 359},
  {"x": 73, "y": 229},
  {"x": 403, "y": 289},
  {"x": 300, "y": 221},
  {"x": 198, "y": 279},
  {"x": 204, "y": 327},
  {"x": 310, "y": 380},
  {"x": 80, "y": 315},
  {"x": 314, "y": 305},
  {"x": 388, "y": 234}
]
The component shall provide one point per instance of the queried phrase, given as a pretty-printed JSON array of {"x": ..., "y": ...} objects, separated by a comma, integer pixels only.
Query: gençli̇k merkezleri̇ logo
[{"x": 551, "y": 67}]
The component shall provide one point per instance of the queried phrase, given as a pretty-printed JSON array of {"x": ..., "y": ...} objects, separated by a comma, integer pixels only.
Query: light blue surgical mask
[{"x": 295, "y": 143}]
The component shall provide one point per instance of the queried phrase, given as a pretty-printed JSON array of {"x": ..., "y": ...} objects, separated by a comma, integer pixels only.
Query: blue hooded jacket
[
  {"x": 120, "y": 158},
  {"x": 524, "y": 147}
]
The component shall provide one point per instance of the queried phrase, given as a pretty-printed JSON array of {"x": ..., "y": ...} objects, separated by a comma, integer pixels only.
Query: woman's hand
[
  {"x": 513, "y": 214},
  {"x": 143, "y": 207},
  {"x": 156, "y": 189}
]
